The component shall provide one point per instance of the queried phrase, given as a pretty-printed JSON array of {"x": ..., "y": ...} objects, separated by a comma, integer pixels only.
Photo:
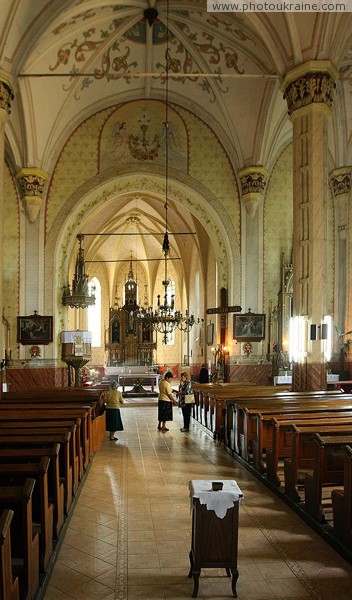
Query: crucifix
[{"x": 223, "y": 311}]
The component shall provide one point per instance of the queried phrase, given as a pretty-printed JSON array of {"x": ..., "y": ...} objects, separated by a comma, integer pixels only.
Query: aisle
[{"x": 129, "y": 535}]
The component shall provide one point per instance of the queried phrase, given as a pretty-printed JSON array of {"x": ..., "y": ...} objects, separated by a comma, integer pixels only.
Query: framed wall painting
[
  {"x": 34, "y": 329},
  {"x": 249, "y": 327},
  {"x": 210, "y": 334}
]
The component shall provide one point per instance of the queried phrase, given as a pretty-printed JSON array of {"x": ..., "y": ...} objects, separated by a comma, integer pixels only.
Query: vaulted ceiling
[{"x": 226, "y": 68}]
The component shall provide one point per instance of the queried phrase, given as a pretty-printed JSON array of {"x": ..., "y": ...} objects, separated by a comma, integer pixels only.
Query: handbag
[{"x": 189, "y": 399}]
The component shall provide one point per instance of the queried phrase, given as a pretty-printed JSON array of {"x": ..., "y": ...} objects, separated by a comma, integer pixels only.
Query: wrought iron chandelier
[
  {"x": 79, "y": 295},
  {"x": 164, "y": 318}
]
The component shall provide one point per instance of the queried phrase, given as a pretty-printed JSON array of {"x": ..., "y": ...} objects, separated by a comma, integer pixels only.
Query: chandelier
[
  {"x": 79, "y": 295},
  {"x": 164, "y": 318}
]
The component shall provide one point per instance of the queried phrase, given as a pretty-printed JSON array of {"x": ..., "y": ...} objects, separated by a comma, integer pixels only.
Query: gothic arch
[{"x": 107, "y": 187}]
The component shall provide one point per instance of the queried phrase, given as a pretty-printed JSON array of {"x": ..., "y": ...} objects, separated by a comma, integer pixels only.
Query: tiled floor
[{"x": 129, "y": 535}]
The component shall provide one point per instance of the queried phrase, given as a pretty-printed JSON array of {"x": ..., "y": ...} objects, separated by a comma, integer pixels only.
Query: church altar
[{"x": 125, "y": 375}]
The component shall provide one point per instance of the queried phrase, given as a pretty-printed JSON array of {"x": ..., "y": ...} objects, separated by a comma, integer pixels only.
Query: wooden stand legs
[{"x": 195, "y": 573}]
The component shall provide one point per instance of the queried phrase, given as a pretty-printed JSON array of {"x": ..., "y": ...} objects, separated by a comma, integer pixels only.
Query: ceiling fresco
[
  {"x": 92, "y": 51},
  {"x": 226, "y": 69}
]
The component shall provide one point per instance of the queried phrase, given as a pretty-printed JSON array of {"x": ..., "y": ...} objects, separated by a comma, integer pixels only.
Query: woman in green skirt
[{"x": 113, "y": 417}]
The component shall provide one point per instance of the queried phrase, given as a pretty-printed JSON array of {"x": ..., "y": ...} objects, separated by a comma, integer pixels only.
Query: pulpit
[{"x": 76, "y": 351}]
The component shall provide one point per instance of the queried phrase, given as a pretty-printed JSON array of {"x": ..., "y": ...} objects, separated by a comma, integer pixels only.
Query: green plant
[
  {"x": 344, "y": 343},
  {"x": 344, "y": 348}
]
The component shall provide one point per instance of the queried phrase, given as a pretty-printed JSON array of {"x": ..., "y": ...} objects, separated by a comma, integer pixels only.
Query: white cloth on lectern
[{"x": 220, "y": 501}]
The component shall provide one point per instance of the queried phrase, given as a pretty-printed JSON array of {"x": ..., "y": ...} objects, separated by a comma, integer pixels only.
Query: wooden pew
[
  {"x": 28, "y": 433},
  {"x": 55, "y": 486},
  {"x": 49, "y": 426},
  {"x": 245, "y": 425},
  {"x": 9, "y": 589},
  {"x": 19, "y": 441},
  {"x": 211, "y": 401},
  {"x": 71, "y": 393},
  {"x": 204, "y": 391},
  {"x": 62, "y": 413},
  {"x": 299, "y": 433},
  {"x": 327, "y": 472},
  {"x": 24, "y": 543},
  {"x": 72, "y": 396},
  {"x": 342, "y": 501},
  {"x": 236, "y": 422},
  {"x": 43, "y": 510},
  {"x": 278, "y": 400},
  {"x": 218, "y": 401},
  {"x": 98, "y": 432},
  {"x": 229, "y": 435},
  {"x": 274, "y": 433}
]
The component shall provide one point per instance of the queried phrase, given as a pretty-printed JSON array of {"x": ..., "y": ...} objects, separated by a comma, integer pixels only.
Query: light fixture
[
  {"x": 164, "y": 318},
  {"x": 327, "y": 336},
  {"x": 298, "y": 338},
  {"x": 79, "y": 295}
]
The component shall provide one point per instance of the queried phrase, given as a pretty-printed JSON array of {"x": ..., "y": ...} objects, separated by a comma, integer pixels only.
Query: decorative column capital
[
  {"x": 253, "y": 183},
  {"x": 311, "y": 83},
  {"x": 341, "y": 181},
  {"x": 6, "y": 91},
  {"x": 253, "y": 180},
  {"x": 31, "y": 181}
]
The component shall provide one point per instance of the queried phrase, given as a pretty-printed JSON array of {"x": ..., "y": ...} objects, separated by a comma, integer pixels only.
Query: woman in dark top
[
  {"x": 203, "y": 374},
  {"x": 185, "y": 388},
  {"x": 165, "y": 402}
]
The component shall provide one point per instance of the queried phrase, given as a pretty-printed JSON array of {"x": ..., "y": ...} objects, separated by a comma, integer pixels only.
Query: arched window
[{"x": 94, "y": 313}]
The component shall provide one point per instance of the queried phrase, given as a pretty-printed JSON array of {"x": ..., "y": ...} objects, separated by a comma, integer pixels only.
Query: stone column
[
  {"x": 31, "y": 182},
  {"x": 253, "y": 183},
  {"x": 6, "y": 96},
  {"x": 308, "y": 90},
  {"x": 340, "y": 182}
]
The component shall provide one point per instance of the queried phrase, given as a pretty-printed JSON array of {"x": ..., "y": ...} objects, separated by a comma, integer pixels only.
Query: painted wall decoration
[{"x": 136, "y": 132}]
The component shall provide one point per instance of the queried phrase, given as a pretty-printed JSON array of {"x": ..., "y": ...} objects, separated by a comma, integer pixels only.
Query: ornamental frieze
[{"x": 312, "y": 88}]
